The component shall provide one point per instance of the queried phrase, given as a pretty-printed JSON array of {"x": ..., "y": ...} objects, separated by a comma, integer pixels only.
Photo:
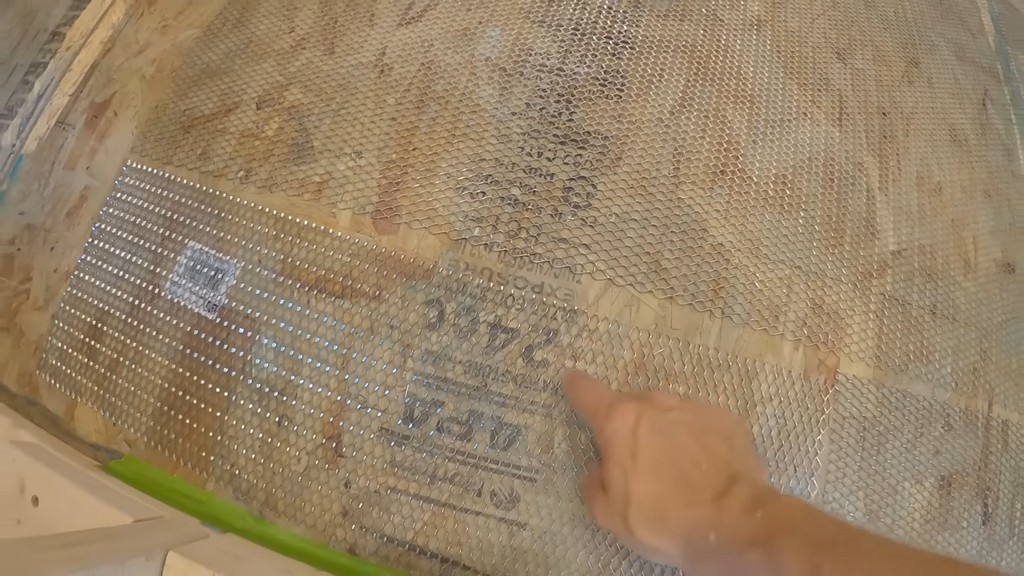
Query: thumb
[{"x": 596, "y": 498}]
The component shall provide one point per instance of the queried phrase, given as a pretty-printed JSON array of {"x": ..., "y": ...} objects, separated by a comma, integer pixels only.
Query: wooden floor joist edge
[{"x": 86, "y": 41}]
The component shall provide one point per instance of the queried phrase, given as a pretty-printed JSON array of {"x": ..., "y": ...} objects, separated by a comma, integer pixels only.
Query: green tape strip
[{"x": 230, "y": 517}]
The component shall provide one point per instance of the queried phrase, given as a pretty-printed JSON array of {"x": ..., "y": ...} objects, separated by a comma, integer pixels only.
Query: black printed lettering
[
  {"x": 504, "y": 436},
  {"x": 437, "y": 311},
  {"x": 459, "y": 426},
  {"x": 418, "y": 412},
  {"x": 500, "y": 337},
  {"x": 530, "y": 351}
]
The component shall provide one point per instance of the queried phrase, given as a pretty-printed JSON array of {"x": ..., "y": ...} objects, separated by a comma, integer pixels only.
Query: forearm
[
  {"x": 788, "y": 537},
  {"x": 680, "y": 483}
]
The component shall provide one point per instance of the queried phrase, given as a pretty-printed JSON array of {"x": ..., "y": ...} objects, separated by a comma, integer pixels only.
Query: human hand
[{"x": 677, "y": 481}]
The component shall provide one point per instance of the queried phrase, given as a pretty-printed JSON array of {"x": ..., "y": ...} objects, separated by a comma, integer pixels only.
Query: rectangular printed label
[{"x": 201, "y": 279}]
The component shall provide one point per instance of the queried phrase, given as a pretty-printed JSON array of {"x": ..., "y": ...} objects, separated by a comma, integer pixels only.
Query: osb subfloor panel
[
  {"x": 754, "y": 161},
  {"x": 50, "y": 209}
]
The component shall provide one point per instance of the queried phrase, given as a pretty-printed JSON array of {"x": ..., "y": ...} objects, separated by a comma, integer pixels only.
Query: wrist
[{"x": 744, "y": 536}]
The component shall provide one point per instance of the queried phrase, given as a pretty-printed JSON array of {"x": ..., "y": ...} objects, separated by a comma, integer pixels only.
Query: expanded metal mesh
[
  {"x": 842, "y": 173},
  {"x": 935, "y": 475},
  {"x": 413, "y": 417}
]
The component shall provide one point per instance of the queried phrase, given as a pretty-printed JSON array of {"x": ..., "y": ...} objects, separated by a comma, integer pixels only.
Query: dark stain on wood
[
  {"x": 329, "y": 25},
  {"x": 331, "y": 428},
  {"x": 74, "y": 211},
  {"x": 204, "y": 121},
  {"x": 945, "y": 487},
  {"x": 94, "y": 336},
  {"x": 343, "y": 286},
  {"x": 381, "y": 64},
  {"x": 412, "y": 119},
  {"x": 986, "y": 472},
  {"x": 337, "y": 443},
  {"x": 95, "y": 114},
  {"x": 300, "y": 146},
  {"x": 189, "y": 441},
  {"x": 416, "y": 10}
]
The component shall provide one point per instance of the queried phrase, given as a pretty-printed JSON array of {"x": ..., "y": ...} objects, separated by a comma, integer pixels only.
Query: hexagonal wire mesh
[
  {"x": 412, "y": 416},
  {"x": 928, "y": 462},
  {"x": 837, "y": 172}
]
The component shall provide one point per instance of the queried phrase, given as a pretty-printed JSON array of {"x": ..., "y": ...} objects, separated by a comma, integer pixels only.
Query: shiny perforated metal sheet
[
  {"x": 842, "y": 173},
  {"x": 412, "y": 416}
]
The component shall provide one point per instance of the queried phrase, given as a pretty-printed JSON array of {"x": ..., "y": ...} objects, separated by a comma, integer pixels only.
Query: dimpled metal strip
[
  {"x": 838, "y": 172},
  {"x": 412, "y": 416}
]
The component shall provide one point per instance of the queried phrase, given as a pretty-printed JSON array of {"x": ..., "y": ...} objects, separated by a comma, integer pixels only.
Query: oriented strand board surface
[
  {"x": 51, "y": 208},
  {"x": 46, "y": 217},
  {"x": 844, "y": 175}
]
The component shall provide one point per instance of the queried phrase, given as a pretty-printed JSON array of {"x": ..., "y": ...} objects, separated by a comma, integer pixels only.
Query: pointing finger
[{"x": 591, "y": 399}]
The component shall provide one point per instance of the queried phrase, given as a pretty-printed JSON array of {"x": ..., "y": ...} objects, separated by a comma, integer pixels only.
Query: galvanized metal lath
[{"x": 413, "y": 417}]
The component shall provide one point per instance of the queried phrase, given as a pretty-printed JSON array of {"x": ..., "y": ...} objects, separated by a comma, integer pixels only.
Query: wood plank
[
  {"x": 84, "y": 43},
  {"x": 56, "y": 494},
  {"x": 25, "y": 27},
  {"x": 229, "y": 555},
  {"x": 91, "y": 550}
]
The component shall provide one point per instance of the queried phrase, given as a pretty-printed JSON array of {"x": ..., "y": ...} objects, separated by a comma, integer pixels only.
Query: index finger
[{"x": 591, "y": 399}]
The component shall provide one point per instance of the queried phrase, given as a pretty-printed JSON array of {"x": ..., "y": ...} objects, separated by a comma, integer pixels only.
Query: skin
[{"x": 680, "y": 483}]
